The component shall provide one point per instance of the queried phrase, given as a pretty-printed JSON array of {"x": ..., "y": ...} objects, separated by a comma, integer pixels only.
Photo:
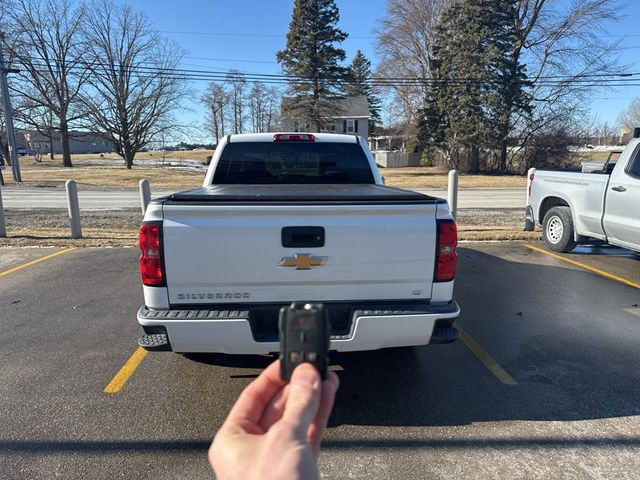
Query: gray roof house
[
  {"x": 79, "y": 142},
  {"x": 351, "y": 117}
]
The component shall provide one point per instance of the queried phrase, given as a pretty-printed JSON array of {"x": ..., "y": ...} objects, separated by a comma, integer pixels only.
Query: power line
[
  {"x": 251, "y": 34},
  {"x": 614, "y": 76},
  {"x": 147, "y": 65},
  {"x": 612, "y": 79}
]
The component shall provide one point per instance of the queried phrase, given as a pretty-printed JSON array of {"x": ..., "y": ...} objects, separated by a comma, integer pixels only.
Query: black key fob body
[{"x": 304, "y": 337}]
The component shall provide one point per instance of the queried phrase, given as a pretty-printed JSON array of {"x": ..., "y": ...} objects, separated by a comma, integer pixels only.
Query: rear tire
[{"x": 558, "y": 231}]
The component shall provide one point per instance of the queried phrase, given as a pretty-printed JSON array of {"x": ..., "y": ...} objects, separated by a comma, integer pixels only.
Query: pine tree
[
  {"x": 477, "y": 88},
  {"x": 312, "y": 57},
  {"x": 511, "y": 99},
  {"x": 359, "y": 83}
]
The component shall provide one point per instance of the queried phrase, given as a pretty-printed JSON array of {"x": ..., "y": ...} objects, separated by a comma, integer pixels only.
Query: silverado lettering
[{"x": 212, "y": 296}]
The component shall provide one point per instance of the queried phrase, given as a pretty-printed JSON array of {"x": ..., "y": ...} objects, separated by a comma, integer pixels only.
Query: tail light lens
[
  {"x": 151, "y": 255},
  {"x": 446, "y": 256},
  {"x": 531, "y": 177}
]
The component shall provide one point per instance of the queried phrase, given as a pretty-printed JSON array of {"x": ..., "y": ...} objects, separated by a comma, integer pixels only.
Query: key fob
[{"x": 304, "y": 337}]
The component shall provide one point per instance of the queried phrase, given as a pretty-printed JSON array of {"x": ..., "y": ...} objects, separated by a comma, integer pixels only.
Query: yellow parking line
[
  {"x": 118, "y": 381},
  {"x": 493, "y": 366},
  {"x": 586, "y": 267},
  {"x": 33, "y": 262}
]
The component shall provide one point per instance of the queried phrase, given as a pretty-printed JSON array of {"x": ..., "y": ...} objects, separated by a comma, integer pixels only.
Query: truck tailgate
[{"x": 225, "y": 245}]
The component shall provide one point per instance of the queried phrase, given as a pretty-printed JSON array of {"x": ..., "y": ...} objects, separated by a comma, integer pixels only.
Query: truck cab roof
[{"x": 271, "y": 137}]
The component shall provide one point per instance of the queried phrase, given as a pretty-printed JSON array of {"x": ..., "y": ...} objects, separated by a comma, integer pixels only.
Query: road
[
  {"x": 40, "y": 198},
  {"x": 568, "y": 337}
]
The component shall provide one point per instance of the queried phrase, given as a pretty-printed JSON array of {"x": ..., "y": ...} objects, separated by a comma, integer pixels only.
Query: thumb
[{"x": 304, "y": 400}]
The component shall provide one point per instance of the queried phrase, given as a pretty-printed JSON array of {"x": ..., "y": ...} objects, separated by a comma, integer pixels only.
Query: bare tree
[
  {"x": 563, "y": 45},
  {"x": 238, "y": 88},
  {"x": 605, "y": 134},
  {"x": 565, "y": 42},
  {"x": 405, "y": 42},
  {"x": 272, "y": 113},
  {"x": 4, "y": 144},
  {"x": 263, "y": 105},
  {"x": 38, "y": 118},
  {"x": 48, "y": 49},
  {"x": 134, "y": 86},
  {"x": 630, "y": 118},
  {"x": 256, "y": 103},
  {"x": 216, "y": 100}
]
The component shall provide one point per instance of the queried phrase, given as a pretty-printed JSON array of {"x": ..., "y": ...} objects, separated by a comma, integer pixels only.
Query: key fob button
[
  {"x": 294, "y": 356},
  {"x": 311, "y": 356}
]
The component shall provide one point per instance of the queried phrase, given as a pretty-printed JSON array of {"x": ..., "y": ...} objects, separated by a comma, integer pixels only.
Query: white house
[{"x": 352, "y": 117}]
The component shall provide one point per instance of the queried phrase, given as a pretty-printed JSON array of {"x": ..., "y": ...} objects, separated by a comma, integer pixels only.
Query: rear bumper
[{"x": 231, "y": 331}]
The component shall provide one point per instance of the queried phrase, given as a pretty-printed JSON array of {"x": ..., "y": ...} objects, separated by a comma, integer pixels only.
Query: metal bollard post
[
  {"x": 74, "y": 209},
  {"x": 452, "y": 195},
  {"x": 3, "y": 228},
  {"x": 145, "y": 195}
]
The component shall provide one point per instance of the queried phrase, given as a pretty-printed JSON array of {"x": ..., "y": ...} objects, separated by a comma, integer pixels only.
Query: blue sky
[{"x": 245, "y": 34}]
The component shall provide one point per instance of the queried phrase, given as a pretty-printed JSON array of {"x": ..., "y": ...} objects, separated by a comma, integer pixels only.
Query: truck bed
[{"x": 351, "y": 194}]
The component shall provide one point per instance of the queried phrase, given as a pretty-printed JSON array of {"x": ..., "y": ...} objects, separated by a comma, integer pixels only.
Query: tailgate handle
[{"x": 303, "y": 237}]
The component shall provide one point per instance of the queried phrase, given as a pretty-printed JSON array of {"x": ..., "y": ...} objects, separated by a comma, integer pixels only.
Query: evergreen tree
[
  {"x": 511, "y": 99},
  {"x": 313, "y": 59},
  {"x": 477, "y": 88},
  {"x": 358, "y": 83}
]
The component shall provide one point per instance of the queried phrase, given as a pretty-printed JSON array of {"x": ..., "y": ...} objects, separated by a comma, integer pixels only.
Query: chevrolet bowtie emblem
[{"x": 303, "y": 261}]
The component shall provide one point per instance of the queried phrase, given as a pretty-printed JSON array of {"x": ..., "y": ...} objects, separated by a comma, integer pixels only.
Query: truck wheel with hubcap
[{"x": 557, "y": 229}]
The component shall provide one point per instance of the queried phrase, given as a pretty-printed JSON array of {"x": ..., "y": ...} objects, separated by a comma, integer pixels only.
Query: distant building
[
  {"x": 352, "y": 117},
  {"x": 625, "y": 135},
  {"x": 79, "y": 142}
]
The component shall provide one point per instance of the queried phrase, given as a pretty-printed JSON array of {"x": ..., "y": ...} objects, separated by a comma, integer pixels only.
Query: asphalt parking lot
[{"x": 546, "y": 383}]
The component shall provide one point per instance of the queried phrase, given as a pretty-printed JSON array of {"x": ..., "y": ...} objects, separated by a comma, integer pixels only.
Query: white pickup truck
[
  {"x": 296, "y": 217},
  {"x": 577, "y": 207}
]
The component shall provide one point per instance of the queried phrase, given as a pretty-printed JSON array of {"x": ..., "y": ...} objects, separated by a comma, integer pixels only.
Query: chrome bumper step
[{"x": 156, "y": 342}]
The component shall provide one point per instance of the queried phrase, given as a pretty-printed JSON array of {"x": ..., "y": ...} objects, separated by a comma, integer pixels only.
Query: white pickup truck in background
[
  {"x": 296, "y": 217},
  {"x": 577, "y": 207}
]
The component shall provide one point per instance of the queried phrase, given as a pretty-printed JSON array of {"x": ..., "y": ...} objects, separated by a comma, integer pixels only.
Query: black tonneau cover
[{"x": 292, "y": 194}]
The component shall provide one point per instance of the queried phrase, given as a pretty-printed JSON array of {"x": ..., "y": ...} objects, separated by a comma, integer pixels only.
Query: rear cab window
[
  {"x": 258, "y": 163},
  {"x": 634, "y": 165}
]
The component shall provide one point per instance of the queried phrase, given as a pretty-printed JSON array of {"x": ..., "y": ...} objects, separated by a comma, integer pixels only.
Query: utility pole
[{"x": 8, "y": 118}]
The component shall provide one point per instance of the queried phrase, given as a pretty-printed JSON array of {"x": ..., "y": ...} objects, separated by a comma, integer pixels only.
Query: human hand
[{"x": 275, "y": 428}]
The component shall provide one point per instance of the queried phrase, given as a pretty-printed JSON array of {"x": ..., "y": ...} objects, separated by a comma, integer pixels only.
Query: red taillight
[
  {"x": 294, "y": 137},
  {"x": 531, "y": 177},
  {"x": 151, "y": 255},
  {"x": 446, "y": 255}
]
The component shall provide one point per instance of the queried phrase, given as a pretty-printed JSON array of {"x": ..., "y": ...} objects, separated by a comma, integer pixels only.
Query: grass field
[
  {"x": 200, "y": 155},
  {"x": 105, "y": 172},
  {"x": 108, "y": 171},
  {"x": 434, "y": 177},
  {"x": 160, "y": 178}
]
